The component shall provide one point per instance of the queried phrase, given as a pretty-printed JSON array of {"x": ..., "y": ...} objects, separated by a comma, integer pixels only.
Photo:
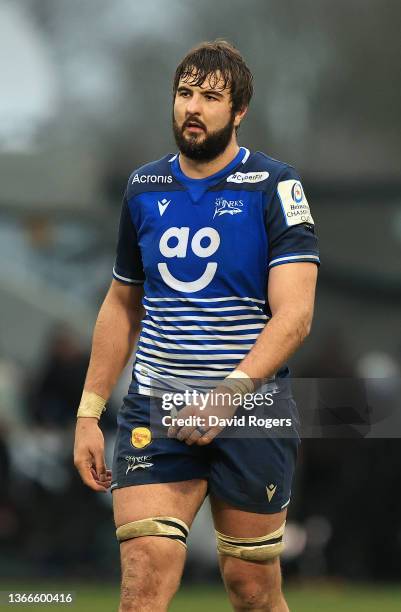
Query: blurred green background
[{"x": 307, "y": 598}]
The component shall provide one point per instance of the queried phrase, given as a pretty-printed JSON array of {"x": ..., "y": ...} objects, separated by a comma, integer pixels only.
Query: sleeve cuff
[
  {"x": 294, "y": 258},
  {"x": 127, "y": 280}
]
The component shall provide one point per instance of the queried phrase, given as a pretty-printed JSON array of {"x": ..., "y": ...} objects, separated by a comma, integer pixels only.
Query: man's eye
[
  {"x": 211, "y": 97},
  {"x": 183, "y": 94}
]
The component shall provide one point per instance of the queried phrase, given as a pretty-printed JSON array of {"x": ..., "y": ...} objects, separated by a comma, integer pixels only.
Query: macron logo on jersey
[
  {"x": 151, "y": 178},
  {"x": 163, "y": 205},
  {"x": 247, "y": 177}
]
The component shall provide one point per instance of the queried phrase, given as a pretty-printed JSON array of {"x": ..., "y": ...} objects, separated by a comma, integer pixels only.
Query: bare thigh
[
  {"x": 181, "y": 500},
  {"x": 152, "y": 566},
  {"x": 239, "y": 523}
]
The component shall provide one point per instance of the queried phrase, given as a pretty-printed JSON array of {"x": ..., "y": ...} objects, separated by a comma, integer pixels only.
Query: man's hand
[
  {"x": 217, "y": 406},
  {"x": 89, "y": 454}
]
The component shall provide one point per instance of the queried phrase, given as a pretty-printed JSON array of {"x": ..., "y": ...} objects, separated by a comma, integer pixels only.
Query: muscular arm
[
  {"x": 116, "y": 331},
  {"x": 291, "y": 293},
  {"x": 114, "y": 337}
]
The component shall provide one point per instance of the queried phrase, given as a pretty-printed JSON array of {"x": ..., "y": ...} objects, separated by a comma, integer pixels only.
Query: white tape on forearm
[
  {"x": 92, "y": 405},
  {"x": 239, "y": 382}
]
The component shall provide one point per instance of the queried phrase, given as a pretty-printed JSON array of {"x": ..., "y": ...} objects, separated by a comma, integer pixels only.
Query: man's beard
[{"x": 209, "y": 148}]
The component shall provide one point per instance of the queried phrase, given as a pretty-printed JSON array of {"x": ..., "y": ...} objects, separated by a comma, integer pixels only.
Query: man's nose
[{"x": 193, "y": 106}]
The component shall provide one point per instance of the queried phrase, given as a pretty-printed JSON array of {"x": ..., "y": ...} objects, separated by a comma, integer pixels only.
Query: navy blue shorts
[{"x": 252, "y": 473}]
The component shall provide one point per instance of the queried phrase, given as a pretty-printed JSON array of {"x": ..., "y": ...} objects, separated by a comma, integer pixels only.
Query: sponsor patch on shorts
[{"x": 141, "y": 437}]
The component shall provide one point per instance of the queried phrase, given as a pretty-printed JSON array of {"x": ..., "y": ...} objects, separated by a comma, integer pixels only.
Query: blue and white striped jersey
[{"x": 203, "y": 249}]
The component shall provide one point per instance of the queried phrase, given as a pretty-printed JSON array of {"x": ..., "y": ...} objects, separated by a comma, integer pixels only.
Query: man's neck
[{"x": 198, "y": 170}]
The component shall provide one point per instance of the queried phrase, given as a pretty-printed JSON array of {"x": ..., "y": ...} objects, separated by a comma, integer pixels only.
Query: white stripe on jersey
[
  {"x": 170, "y": 328},
  {"x": 195, "y": 347},
  {"x": 169, "y": 382},
  {"x": 203, "y": 309},
  {"x": 127, "y": 280},
  {"x": 294, "y": 257},
  {"x": 178, "y": 356},
  {"x": 188, "y": 374},
  {"x": 247, "y": 154},
  {"x": 231, "y": 298},
  {"x": 183, "y": 361},
  {"x": 228, "y": 318},
  {"x": 208, "y": 337},
  {"x": 153, "y": 373},
  {"x": 151, "y": 391}
]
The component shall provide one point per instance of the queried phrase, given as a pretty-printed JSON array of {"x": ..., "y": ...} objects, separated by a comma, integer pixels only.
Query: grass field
[{"x": 319, "y": 598}]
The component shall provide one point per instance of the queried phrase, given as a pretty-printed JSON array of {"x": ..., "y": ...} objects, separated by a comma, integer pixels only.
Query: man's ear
[{"x": 239, "y": 116}]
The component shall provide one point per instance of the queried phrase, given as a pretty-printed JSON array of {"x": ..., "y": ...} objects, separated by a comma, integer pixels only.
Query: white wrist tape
[
  {"x": 92, "y": 405},
  {"x": 239, "y": 382}
]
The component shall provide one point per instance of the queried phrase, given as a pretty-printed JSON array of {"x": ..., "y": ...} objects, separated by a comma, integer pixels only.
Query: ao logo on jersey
[{"x": 179, "y": 236}]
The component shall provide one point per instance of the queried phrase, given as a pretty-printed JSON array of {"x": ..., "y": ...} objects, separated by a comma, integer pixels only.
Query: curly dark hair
[{"x": 219, "y": 56}]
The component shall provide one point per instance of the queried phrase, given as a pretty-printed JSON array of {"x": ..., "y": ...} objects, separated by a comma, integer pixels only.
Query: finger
[
  {"x": 173, "y": 430},
  {"x": 96, "y": 477},
  {"x": 208, "y": 436},
  {"x": 100, "y": 465},
  {"x": 194, "y": 437},
  {"x": 105, "y": 483},
  {"x": 185, "y": 432},
  {"x": 85, "y": 472}
]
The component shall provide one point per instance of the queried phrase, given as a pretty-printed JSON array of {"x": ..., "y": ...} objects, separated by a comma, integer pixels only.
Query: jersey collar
[{"x": 197, "y": 187}]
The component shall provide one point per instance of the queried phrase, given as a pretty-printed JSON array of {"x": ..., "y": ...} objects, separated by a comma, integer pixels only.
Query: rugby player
[{"x": 217, "y": 247}]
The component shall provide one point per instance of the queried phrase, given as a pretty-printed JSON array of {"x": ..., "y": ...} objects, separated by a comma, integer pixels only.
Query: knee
[
  {"x": 139, "y": 580},
  {"x": 253, "y": 587},
  {"x": 138, "y": 567},
  {"x": 147, "y": 581},
  {"x": 248, "y": 594}
]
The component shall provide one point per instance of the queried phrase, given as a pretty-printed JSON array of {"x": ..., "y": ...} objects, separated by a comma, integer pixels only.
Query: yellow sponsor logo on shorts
[{"x": 141, "y": 437}]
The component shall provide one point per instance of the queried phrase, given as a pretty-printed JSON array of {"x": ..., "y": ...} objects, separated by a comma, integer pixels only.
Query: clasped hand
[{"x": 203, "y": 428}]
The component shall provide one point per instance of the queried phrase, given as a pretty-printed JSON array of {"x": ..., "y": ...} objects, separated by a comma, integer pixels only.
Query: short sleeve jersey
[{"x": 203, "y": 249}]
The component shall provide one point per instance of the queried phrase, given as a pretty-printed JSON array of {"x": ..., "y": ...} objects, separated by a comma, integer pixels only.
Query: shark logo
[
  {"x": 137, "y": 463},
  {"x": 230, "y": 207}
]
